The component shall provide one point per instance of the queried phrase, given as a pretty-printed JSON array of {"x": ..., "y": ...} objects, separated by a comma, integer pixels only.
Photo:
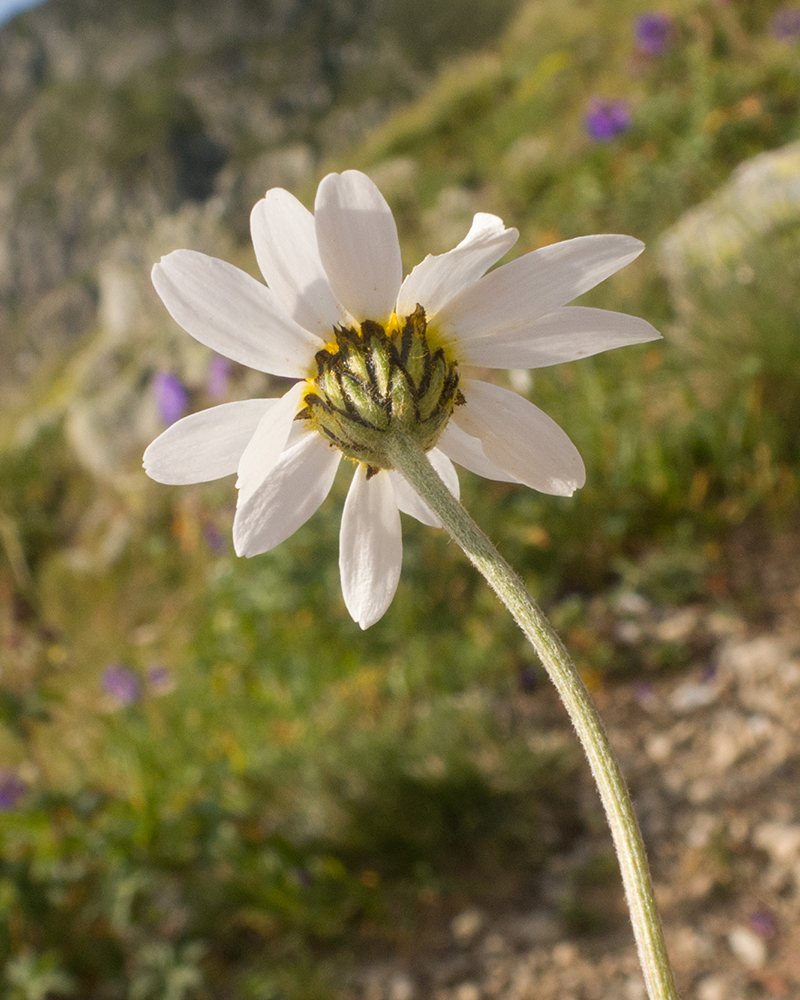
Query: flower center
[{"x": 375, "y": 382}]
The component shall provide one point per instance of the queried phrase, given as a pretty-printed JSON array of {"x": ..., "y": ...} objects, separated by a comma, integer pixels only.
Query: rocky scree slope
[{"x": 113, "y": 115}]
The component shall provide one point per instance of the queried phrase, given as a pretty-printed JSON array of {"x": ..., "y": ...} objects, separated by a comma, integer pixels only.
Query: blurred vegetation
[{"x": 284, "y": 790}]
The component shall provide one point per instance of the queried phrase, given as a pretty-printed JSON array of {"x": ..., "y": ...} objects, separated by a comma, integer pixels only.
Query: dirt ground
[{"x": 712, "y": 756}]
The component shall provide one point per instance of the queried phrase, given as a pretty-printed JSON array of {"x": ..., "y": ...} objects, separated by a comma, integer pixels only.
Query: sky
[{"x": 8, "y": 8}]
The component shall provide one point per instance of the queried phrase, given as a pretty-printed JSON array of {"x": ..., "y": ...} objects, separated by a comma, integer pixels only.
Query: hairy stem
[{"x": 410, "y": 460}]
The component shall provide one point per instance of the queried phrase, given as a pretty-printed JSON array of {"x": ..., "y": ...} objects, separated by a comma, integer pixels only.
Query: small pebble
[
  {"x": 748, "y": 947},
  {"x": 466, "y": 926},
  {"x": 635, "y": 988},
  {"x": 678, "y": 627},
  {"x": 631, "y": 603},
  {"x": 628, "y": 632},
  {"x": 565, "y": 953},
  {"x": 659, "y": 747},
  {"x": 721, "y": 625},
  {"x": 401, "y": 987},
  {"x": 780, "y": 840},
  {"x": 711, "y": 988},
  {"x": 701, "y": 830},
  {"x": 689, "y": 697},
  {"x": 467, "y": 991},
  {"x": 535, "y": 929},
  {"x": 494, "y": 944}
]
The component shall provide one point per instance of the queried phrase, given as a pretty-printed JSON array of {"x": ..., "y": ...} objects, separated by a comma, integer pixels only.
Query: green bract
[{"x": 376, "y": 381}]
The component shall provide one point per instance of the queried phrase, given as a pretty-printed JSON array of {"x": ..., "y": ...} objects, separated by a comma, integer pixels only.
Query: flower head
[
  {"x": 607, "y": 119},
  {"x": 12, "y": 789},
  {"x": 219, "y": 370},
  {"x": 122, "y": 684},
  {"x": 160, "y": 679},
  {"x": 375, "y": 356},
  {"x": 763, "y": 923},
  {"x": 653, "y": 33},
  {"x": 786, "y": 24},
  {"x": 171, "y": 397}
]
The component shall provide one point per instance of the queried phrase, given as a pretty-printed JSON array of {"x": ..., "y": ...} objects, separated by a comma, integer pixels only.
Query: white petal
[
  {"x": 285, "y": 241},
  {"x": 205, "y": 445},
  {"x": 520, "y": 438},
  {"x": 567, "y": 334},
  {"x": 437, "y": 280},
  {"x": 358, "y": 244},
  {"x": 290, "y": 494},
  {"x": 468, "y": 452},
  {"x": 233, "y": 314},
  {"x": 517, "y": 293},
  {"x": 370, "y": 547},
  {"x": 410, "y": 502},
  {"x": 267, "y": 442}
]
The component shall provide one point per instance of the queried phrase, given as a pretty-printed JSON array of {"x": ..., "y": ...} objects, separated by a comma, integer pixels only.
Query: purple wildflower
[
  {"x": 12, "y": 788},
  {"x": 304, "y": 876},
  {"x": 763, "y": 923},
  {"x": 527, "y": 678},
  {"x": 219, "y": 369},
  {"x": 122, "y": 684},
  {"x": 160, "y": 679},
  {"x": 215, "y": 540},
  {"x": 171, "y": 397},
  {"x": 710, "y": 673},
  {"x": 653, "y": 33},
  {"x": 606, "y": 119},
  {"x": 786, "y": 24}
]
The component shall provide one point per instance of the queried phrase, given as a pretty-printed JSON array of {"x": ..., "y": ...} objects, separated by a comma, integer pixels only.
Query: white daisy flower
[{"x": 374, "y": 355}]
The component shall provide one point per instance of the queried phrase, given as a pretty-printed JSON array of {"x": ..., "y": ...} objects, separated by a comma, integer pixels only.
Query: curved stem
[{"x": 409, "y": 459}]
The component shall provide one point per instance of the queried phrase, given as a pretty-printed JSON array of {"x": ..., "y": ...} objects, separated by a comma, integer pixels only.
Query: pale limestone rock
[
  {"x": 401, "y": 987},
  {"x": 781, "y": 841},
  {"x": 467, "y": 926},
  {"x": 691, "y": 696},
  {"x": 763, "y": 194},
  {"x": 748, "y": 947},
  {"x": 712, "y": 987},
  {"x": 565, "y": 954}
]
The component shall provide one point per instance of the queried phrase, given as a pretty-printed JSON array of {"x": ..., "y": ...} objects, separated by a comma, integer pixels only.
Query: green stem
[{"x": 409, "y": 459}]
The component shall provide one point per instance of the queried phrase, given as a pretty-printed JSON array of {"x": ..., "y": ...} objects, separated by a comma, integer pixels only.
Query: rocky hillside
[
  {"x": 212, "y": 783},
  {"x": 115, "y": 114}
]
